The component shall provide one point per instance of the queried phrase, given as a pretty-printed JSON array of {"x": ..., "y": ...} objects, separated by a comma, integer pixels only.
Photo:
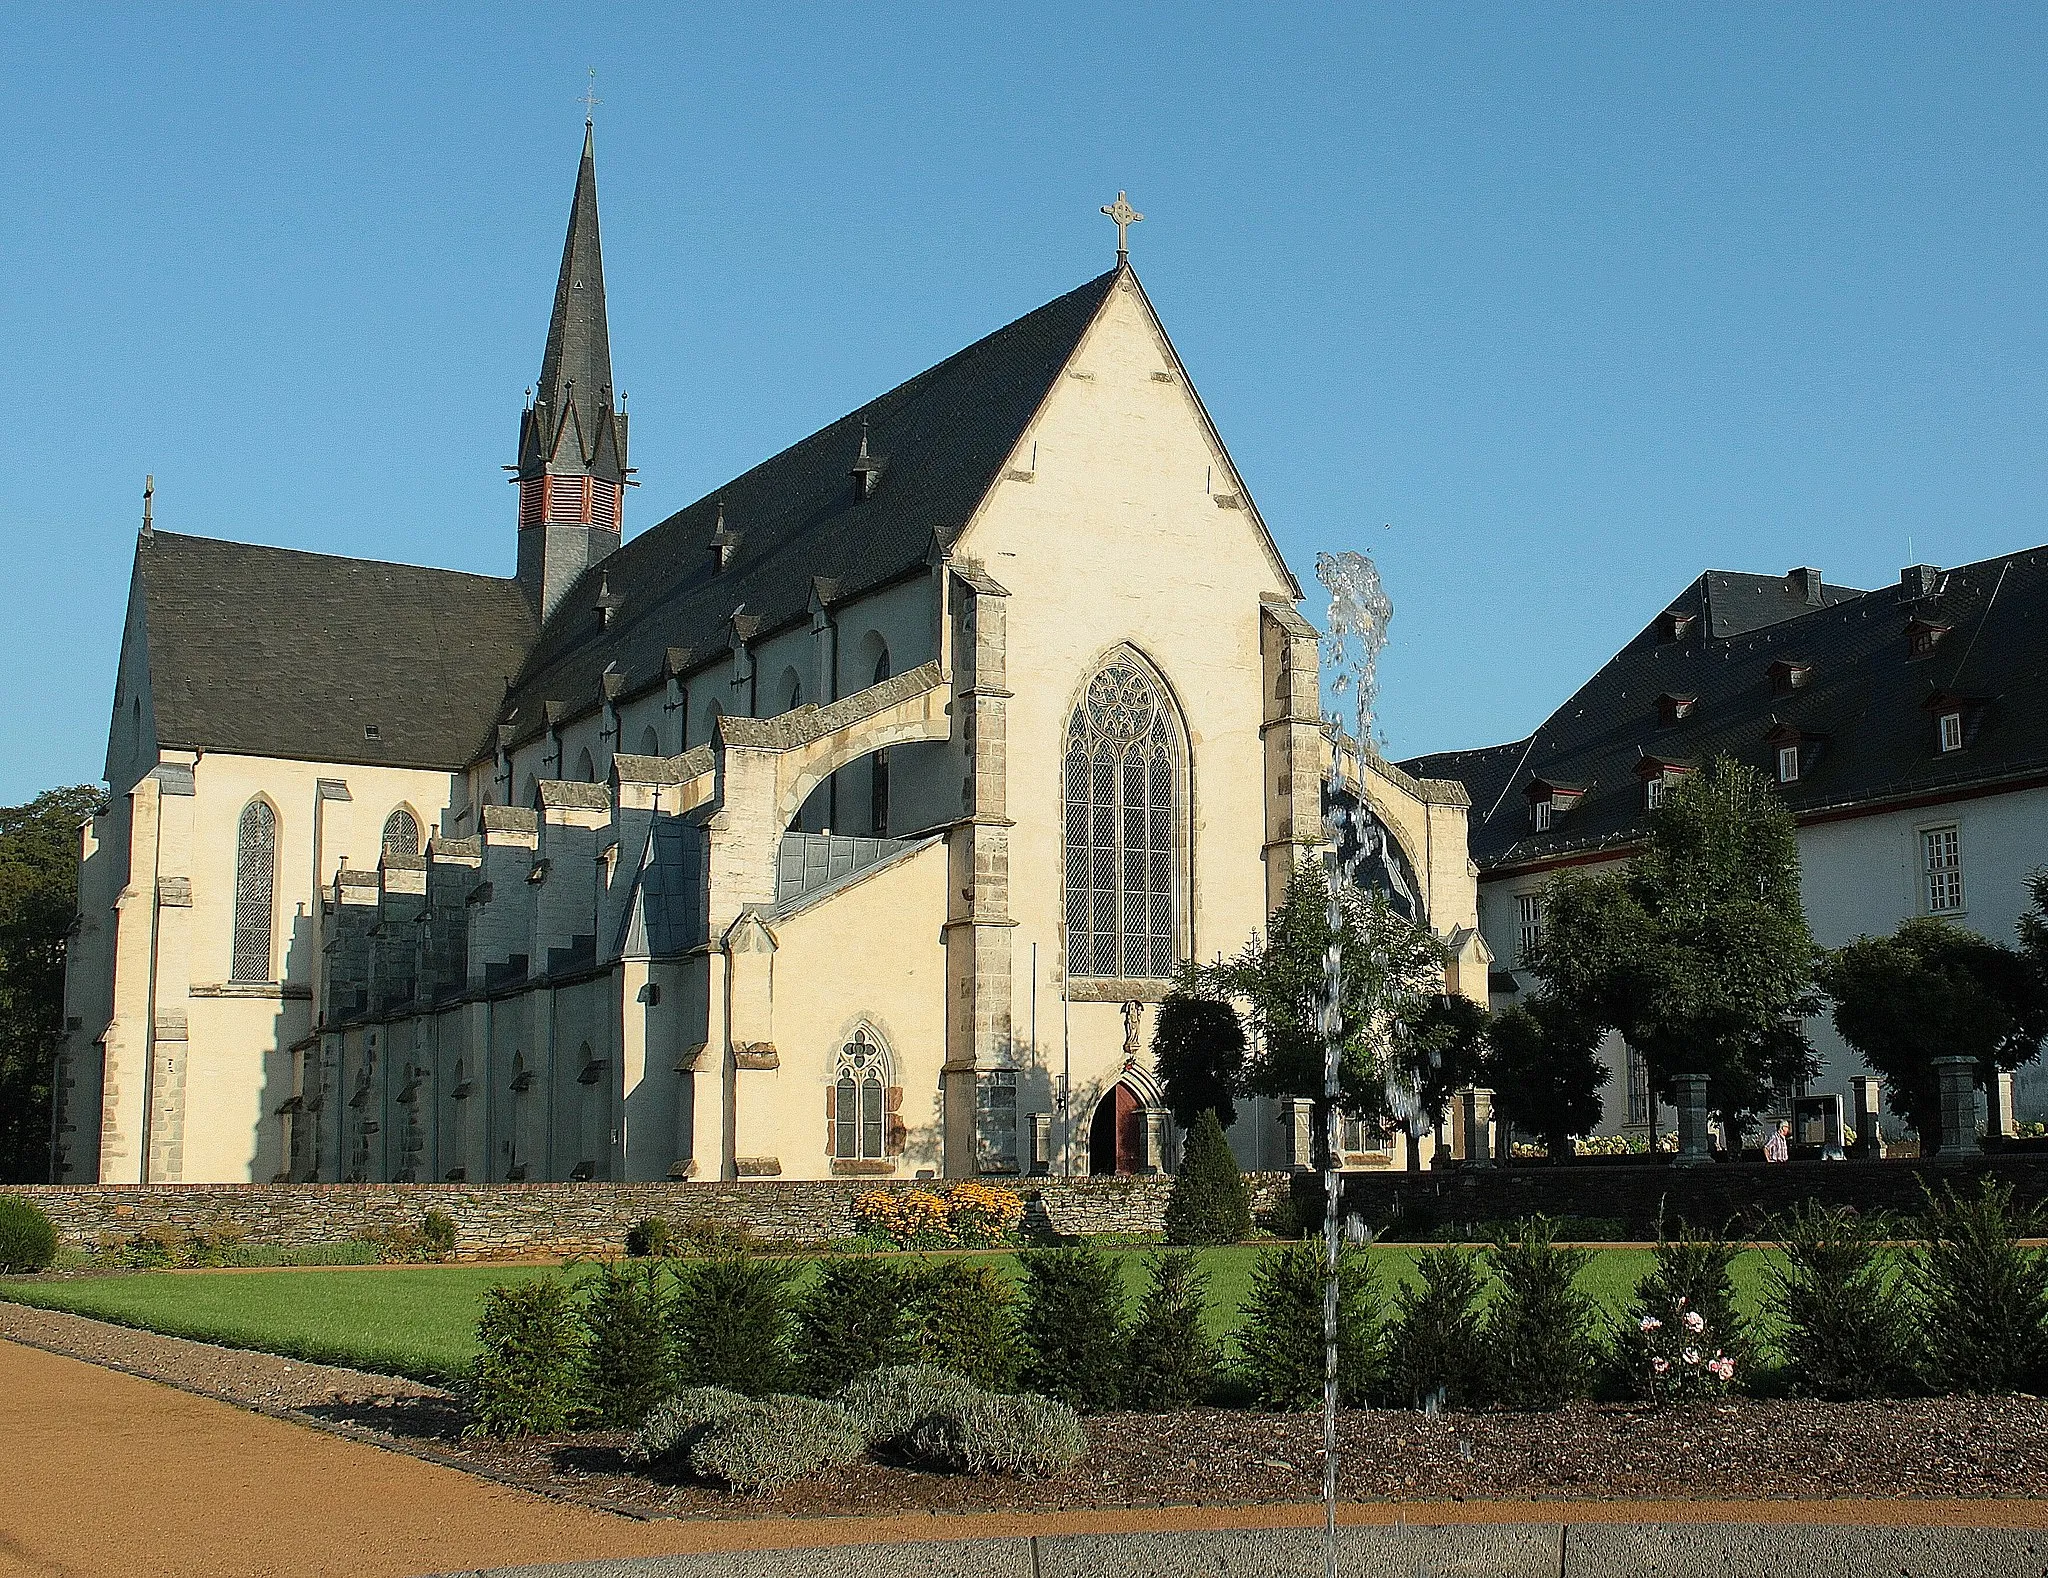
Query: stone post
[
  {"x": 1695, "y": 1148},
  {"x": 2000, "y": 1123},
  {"x": 1478, "y": 1107},
  {"x": 1866, "y": 1102},
  {"x": 1958, "y": 1077}
]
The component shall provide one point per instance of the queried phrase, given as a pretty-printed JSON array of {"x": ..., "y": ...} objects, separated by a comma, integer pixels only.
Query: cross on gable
[{"x": 1125, "y": 216}]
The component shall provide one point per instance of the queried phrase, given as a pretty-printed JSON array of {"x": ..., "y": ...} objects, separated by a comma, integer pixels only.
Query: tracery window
[
  {"x": 255, "y": 891},
  {"x": 860, "y": 1124},
  {"x": 1122, "y": 848},
  {"x": 401, "y": 833}
]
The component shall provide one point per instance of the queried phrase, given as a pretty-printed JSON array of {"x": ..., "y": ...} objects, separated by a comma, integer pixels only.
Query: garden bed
[{"x": 1735, "y": 1449}]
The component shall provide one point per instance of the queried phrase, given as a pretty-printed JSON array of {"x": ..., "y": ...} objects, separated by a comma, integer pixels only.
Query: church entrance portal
[{"x": 1116, "y": 1136}]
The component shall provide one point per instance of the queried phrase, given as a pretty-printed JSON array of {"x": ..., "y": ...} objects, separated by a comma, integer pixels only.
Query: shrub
[
  {"x": 668, "y": 1433},
  {"x": 981, "y": 1433},
  {"x": 979, "y": 1215},
  {"x": 960, "y": 1319},
  {"x": 148, "y": 1250},
  {"x": 1539, "y": 1330},
  {"x": 28, "y": 1242},
  {"x": 909, "y": 1218},
  {"x": 852, "y": 1319},
  {"x": 709, "y": 1238},
  {"x": 775, "y": 1442},
  {"x": 626, "y": 1367},
  {"x": 1210, "y": 1202},
  {"x": 1844, "y": 1323},
  {"x": 651, "y": 1236},
  {"x": 437, "y": 1235},
  {"x": 1073, "y": 1326},
  {"x": 216, "y": 1244},
  {"x": 1434, "y": 1345},
  {"x": 1171, "y": 1360},
  {"x": 526, "y": 1374},
  {"x": 730, "y": 1320},
  {"x": 886, "y": 1404},
  {"x": 1682, "y": 1336},
  {"x": 1983, "y": 1298},
  {"x": 1281, "y": 1339}
]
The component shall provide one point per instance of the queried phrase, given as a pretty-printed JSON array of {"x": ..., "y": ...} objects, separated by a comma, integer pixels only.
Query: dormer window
[
  {"x": 1658, "y": 776},
  {"x": 1541, "y": 812},
  {"x": 1788, "y": 764},
  {"x": 1789, "y": 674},
  {"x": 1548, "y": 801},
  {"x": 1949, "y": 736},
  {"x": 1675, "y": 709},
  {"x": 1674, "y": 625},
  {"x": 1923, "y": 636}
]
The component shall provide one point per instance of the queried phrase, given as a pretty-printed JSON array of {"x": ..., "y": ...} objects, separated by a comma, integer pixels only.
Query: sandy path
[{"x": 104, "y": 1473}]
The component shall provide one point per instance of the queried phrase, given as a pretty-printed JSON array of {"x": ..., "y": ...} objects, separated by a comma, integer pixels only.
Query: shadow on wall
[{"x": 280, "y": 1138}]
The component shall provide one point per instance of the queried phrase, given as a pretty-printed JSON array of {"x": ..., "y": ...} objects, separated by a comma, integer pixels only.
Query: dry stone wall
[{"x": 494, "y": 1220}]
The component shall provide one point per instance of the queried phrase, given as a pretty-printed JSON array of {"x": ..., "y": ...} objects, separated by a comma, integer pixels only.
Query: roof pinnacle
[{"x": 1125, "y": 216}]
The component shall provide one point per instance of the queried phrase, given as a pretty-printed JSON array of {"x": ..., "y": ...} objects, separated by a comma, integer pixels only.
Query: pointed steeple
[{"x": 572, "y": 439}]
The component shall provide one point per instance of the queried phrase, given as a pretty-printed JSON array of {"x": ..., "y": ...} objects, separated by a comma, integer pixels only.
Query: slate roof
[
  {"x": 1868, "y": 734},
  {"x": 940, "y": 440},
  {"x": 275, "y": 652}
]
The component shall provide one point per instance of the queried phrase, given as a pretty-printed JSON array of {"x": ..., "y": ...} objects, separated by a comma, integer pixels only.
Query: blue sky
[{"x": 1547, "y": 307}]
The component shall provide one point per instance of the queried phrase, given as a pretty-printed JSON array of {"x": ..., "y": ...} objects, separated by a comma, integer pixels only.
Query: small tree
[
  {"x": 1983, "y": 1296},
  {"x": 962, "y": 1318},
  {"x": 1172, "y": 1362},
  {"x": 1539, "y": 1328},
  {"x": 851, "y": 1320},
  {"x": 1546, "y": 1076},
  {"x": 1434, "y": 1346},
  {"x": 1210, "y": 1202},
  {"x": 1443, "y": 1052},
  {"x": 1845, "y": 1326},
  {"x": 1281, "y": 1338},
  {"x": 1933, "y": 990},
  {"x": 626, "y": 1362},
  {"x": 1073, "y": 1326},
  {"x": 529, "y": 1346},
  {"x": 732, "y": 1324},
  {"x": 1198, "y": 1049}
]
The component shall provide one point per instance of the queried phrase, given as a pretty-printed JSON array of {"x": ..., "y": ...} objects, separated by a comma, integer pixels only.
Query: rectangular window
[
  {"x": 1941, "y": 864},
  {"x": 995, "y": 1113},
  {"x": 1542, "y": 810},
  {"x": 1638, "y": 1089},
  {"x": 1951, "y": 732},
  {"x": 1528, "y": 924},
  {"x": 1788, "y": 764},
  {"x": 1653, "y": 793}
]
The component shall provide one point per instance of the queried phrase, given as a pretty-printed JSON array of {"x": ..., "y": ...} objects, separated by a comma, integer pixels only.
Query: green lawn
[{"x": 420, "y": 1320}]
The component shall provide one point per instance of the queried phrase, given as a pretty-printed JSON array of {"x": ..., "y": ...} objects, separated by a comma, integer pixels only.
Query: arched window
[
  {"x": 255, "y": 891},
  {"x": 650, "y": 742},
  {"x": 401, "y": 833},
  {"x": 1122, "y": 846},
  {"x": 878, "y": 768},
  {"x": 792, "y": 690},
  {"x": 860, "y": 1122},
  {"x": 586, "y": 769}
]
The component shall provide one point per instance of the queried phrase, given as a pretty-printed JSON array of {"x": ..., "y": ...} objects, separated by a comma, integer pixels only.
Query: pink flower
[
  {"x": 1691, "y": 1356},
  {"x": 1651, "y": 1323},
  {"x": 1660, "y": 1365},
  {"x": 1723, "y": 1367},
  {"x": 1695, "y": 1322}
]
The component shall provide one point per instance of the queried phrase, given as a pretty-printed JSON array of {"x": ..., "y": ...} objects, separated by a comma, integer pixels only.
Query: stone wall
[
  {"x": 565, "y": 1218},
  {"x": 1744, "y": 1194}
]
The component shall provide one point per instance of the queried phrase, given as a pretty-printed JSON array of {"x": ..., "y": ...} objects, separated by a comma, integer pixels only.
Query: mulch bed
[{"x": 1738, "y": 1449}]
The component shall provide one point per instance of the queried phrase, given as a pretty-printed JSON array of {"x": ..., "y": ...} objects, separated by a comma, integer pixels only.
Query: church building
[{"x": 850, "y": 821}]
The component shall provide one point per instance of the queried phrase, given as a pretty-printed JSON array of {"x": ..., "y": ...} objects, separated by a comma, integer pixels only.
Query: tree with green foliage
[
  {"x": 1698, "y": 951},
  {"x": 963, "y": 1319},
  {"x": 1210, "y": 1202},
  {"x": 1931, "y": 990},
  {"x": 529, "y": 1355},
  {"x": 1198, "y": 1050},
  {"x": 626, "y": 1362},
  {"x": 852, "y": 1319},
  {"x": 1072, "y": 1323},
  {"x": 731, "y": 1324},
  {"x": 38, "y": 906},
  {"x": 1540, "y": 1347},
  {"x": 1435, "y": 1344},
  {"x": 1982, "y": 1292},
  {"x": 2034, "y": 925},
  {"x": 1392, "y": 969},
  {"x": 1844, "y": 1323},
  {"x": 1281, "y": 1338},
  {"x": 1543, "y": 1067},
  {"x": 1443, "y": 1052},
  {"x": 1172, "y": 1360}
]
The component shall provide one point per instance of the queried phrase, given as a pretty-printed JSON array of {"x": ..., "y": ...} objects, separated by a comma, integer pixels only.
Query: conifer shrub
[
  {"x": 983, "y": 1433},
  {"x": 1210, "y": 1202},
  {"x": 1983, "y": 1297},
  {"x": 1844, "y": 1322},
  {"x": 1682, "y": 1336},
  {"x": 1281, "y": 1339},
  {"x": 651, "y": 1238},
  {"x": 962, "y": 1319},
  {"x": 731, "y": 1323},
  {"x": 437, "y": 1234},
  {"x": 28, "y": 1240},
  {"x": 528, "y": 1370},
  {"x": 1072, "y": 1323},
  {"x": 853, "y": 1318},
  {"x": 667, "y": 1434},
  {"x": 774, "y": 1442},
  {"x": 1435, "y": 1343},
  {"x": 886, "y": 1404},
  {"x": 1171, "y": 1361},
  {"x": 1539, "y": 1329},
  {"x": 626, "y": 1364}
]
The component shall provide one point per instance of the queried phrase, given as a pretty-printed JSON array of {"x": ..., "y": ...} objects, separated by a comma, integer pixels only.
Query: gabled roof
[
  {"x": 1864, "y": 704},
  {"x": 275, "y": 652},
  {"x": 940, "y": 440}
]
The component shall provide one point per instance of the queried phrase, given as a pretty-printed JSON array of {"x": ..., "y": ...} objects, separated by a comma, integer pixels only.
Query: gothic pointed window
[
  {"x": 255, "y": 891},
  {"x": 401, "y": 833},
  {"x": 860, "y": 1122},
  {"x": 1121, "y": 799}
]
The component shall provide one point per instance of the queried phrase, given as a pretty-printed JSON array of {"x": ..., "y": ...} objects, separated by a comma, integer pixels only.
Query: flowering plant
[
  {"x": 1682, "y": 1357},
  {"x": 972, "y": 1214}
]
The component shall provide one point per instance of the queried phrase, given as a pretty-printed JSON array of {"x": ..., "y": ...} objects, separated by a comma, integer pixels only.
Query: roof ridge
[{"x": 160, "y": 537}]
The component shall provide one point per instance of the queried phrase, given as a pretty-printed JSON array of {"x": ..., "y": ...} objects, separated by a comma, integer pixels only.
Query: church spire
[{"x": 572, "y": 440}]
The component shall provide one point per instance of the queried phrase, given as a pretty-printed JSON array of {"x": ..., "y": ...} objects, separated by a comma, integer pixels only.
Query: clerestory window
[
  {"x": 255, "y": 891},
  {"x": 401, "y": 833},
  {"x": 1121, "y": 799}
]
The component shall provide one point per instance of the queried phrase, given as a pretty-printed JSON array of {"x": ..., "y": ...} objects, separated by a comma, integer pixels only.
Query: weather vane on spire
[
  {"x": 1125, "y": 216},
  {"x": 591, "y": 100}
]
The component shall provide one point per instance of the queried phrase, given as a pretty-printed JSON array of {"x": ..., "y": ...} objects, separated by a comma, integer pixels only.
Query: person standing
[{"x": 1778, "y": 1148}]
